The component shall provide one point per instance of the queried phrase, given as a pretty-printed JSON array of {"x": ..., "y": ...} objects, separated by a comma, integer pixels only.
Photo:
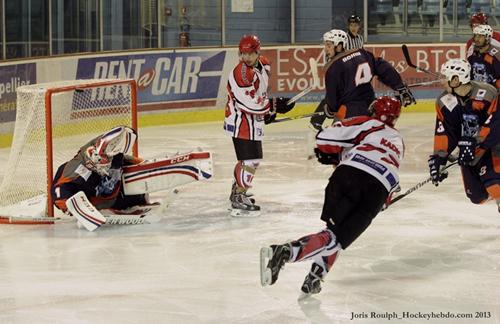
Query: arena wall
[{"x": 182, "y": 86}]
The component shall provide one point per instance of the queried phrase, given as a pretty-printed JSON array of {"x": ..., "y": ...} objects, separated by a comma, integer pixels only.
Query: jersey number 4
[{"x": 363, "y": 74}]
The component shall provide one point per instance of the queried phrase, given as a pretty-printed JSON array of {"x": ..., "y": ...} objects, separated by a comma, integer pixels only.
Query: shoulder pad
[
  {"x": 264, "y": 60},
  {"x": 243, "y": 75},
  {"x": 483, "y": 91},
  {"x": 494, "y": 51},
  {"x": 447, "y": 100}
]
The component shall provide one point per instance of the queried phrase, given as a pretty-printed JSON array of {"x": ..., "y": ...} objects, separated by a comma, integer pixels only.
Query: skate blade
[
  {"x": 244, "y": 213},
  {"x": 266, "y": 253}
]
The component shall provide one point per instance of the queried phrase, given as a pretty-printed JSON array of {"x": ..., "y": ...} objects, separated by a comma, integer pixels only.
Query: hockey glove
[
  {"x": 389, "y": 198},
  {"x": 280, "y": 105},
  {"x": 269, "y": 117},
  {"x": 327, "y": 158},
  {"x": 405, "y": 96},
  {"x": 436, "y": 164},
  {"x": 467, "y": 148},
  {"x": 319, "y": 117}
]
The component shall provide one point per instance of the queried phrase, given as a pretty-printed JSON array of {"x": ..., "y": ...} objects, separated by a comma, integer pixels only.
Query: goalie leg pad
[
  {"x": 167, "y": 173},
  {"x": 137, "y": 215},
  {"x": 85, "y": 213}
]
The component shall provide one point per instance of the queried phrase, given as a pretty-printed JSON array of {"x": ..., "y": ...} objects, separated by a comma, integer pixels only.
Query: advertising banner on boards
[{"x": 166, "y": 80}]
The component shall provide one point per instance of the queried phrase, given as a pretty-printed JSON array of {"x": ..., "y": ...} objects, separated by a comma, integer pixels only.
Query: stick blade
[
  {"x": 406, "y": 54},
  {"x": 313, "y": 65}
]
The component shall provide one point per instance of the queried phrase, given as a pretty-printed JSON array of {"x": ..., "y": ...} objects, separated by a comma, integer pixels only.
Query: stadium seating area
[{"x": 421, "y": 17}]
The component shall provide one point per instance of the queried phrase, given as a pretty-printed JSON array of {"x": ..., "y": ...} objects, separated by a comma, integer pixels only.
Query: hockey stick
[
  {"x": 298, "y": 117},
  {"x": 313, "y": 65},
  {"x": 26, "y": 220},
  {"x": 406, "y": 53},
  {"x": 418, "y": 185},
  {"x": 423, "y": 84}
]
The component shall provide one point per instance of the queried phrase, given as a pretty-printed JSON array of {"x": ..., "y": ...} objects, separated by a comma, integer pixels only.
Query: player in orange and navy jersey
[
  {"x": 485, "y": 59},
  {"x": 480, "y": 18},
  {"x": 468, "y": 118},
  {"x": 248, "y": 109},
  {"x": 96, "y": 170}
]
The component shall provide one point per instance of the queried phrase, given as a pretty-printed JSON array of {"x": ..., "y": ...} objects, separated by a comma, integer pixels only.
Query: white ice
[{"x": 433, "y": 251}]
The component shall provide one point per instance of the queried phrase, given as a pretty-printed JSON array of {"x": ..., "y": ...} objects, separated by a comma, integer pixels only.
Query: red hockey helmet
[
  {"x": 249, "y": 44},
  {"x": 478, "y": 18},
  {"x": 385, "y": 109}
]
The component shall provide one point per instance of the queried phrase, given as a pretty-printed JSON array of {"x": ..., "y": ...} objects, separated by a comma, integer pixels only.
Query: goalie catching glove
[{"x": 405, "y": 96}]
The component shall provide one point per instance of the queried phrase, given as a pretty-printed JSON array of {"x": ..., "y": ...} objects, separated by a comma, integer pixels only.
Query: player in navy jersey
[
  {"x": 468, "y": 118},
  {"x": 348, "y": 79},
  {"x": 480, "y": 18},
  {"x": 485, "y": 59},
  {"x": 367, "y": 151},
  {"x": 96, "y": 170}
]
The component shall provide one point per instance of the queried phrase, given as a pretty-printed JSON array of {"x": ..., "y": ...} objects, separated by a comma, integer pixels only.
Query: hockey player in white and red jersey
[
  {"x": 367, "y": 152},
  {"x": 248, "y": 109}
]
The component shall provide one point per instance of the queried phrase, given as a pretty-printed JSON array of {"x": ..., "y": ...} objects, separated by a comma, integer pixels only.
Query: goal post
[{"x": 53, "y": 120}]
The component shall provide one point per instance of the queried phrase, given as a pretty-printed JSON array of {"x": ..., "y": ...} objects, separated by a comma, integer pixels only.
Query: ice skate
[
  {"x": 243, "y": 206},
  {"x": 234, "y": 191},
  {"x": 312, "y": 283},
  {"x": 275, "y": 256}
]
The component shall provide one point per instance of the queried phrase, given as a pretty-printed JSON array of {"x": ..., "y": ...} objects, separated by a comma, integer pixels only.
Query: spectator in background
[
  {"x": 355, "y": 40},
  {"x": 476, "y": 19}
]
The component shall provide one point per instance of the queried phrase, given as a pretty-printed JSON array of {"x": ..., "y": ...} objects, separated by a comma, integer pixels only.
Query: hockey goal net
[{"x": 53, "y": 121}]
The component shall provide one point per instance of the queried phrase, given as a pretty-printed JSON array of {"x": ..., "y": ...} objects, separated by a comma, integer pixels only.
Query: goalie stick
[{"x": 406, "y": 53}]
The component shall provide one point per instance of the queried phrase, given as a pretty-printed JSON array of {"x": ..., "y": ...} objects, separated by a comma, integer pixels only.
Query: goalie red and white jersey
[
  {"x": 366, "y": 144},
  {"x": 247, "y": 100}
]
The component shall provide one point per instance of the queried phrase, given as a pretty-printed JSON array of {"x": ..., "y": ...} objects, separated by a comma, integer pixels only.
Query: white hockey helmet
[
  {"x": 456, "y": 67},
  {"x": 485, "y": 30},
  {"x": 336, "y": 36}
]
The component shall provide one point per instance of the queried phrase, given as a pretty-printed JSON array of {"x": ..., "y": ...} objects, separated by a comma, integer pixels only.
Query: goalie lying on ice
[{"x": 104, "y": 183}]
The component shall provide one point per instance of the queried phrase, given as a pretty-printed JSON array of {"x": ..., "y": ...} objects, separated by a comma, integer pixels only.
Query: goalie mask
[
  {"x": 119, "y": 140},
  {"x": 385, "y": 109}
]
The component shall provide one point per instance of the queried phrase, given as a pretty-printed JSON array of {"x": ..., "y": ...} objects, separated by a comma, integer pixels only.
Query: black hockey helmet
[{"x": 354, "y": 19}]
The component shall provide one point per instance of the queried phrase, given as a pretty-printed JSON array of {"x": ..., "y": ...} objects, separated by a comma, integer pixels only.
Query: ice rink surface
[{"x": 431, "y": 252}]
